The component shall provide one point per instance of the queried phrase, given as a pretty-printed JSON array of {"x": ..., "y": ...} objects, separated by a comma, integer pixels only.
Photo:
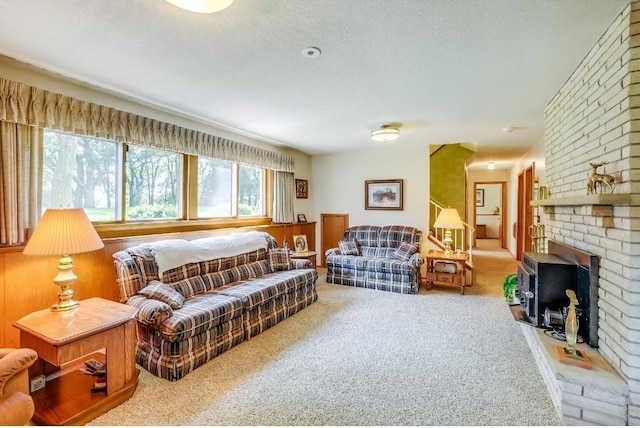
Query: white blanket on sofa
[{"x": 172, "y": 253}]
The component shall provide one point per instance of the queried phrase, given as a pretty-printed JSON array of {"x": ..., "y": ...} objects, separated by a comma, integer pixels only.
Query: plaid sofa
[
  {"x": 379, "y": 257},
  {"x": 197, "y": 311}
]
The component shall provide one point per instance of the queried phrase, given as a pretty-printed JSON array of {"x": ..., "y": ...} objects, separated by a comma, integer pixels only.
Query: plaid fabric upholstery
[
  {"x": 405, "y": 251},
  {"x": 349, "y": 248},
  {"x": 379, "y": 267},
  {"x": 394, "y": 236},
  {"x": 279, "y": 259},
  {"x": 367, "y": 236},
  {"x": 160, "y": 291},
  {"x": 228, "y": 300}
]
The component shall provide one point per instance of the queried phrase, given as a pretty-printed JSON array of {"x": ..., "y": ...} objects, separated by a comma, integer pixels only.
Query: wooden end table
[
  {"x": 458, "y": 278},
  {"x": 99, "y": 329},
  {"x": 309, "y": 255}
]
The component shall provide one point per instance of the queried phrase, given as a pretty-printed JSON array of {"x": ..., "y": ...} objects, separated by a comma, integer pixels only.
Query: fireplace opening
[{"x": 543, "y": 279}]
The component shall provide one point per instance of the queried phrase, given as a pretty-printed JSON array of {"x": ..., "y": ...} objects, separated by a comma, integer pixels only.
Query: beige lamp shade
[
  {"x": 63, "y": 232},
  {"x": 449, "y": 219}
]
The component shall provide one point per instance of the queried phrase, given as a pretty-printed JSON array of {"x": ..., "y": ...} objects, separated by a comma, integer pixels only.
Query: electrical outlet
[{"x": 38, "y": 382}]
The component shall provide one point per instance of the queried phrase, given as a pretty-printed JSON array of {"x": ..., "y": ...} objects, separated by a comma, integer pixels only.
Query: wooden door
[
  {"x": 526, "y": 180},
  {"x": 332, "y": 229}
]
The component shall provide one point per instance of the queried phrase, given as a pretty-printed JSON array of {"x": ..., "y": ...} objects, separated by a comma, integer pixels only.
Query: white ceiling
[{"x": 444, "y": 70}]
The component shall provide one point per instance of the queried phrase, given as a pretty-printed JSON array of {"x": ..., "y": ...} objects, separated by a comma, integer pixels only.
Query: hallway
[{"x": 491, "y": 265}]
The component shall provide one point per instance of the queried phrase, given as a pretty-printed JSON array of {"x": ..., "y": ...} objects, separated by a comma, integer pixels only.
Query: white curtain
[
  {"x": 283, "y": 194},
  {"x": 33, "y": 106},
  {"x": 20, "y": 181}
]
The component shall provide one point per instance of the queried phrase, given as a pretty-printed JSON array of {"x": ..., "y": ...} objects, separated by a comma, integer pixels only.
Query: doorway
[{"x": 490, "y": 211}]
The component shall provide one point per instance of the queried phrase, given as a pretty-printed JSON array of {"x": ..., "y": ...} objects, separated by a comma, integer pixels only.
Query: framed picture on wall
[
  {"x": 479, "y": 197},
  {"x": 302, "y": 188},
  {"x": 383, "y": 194}
]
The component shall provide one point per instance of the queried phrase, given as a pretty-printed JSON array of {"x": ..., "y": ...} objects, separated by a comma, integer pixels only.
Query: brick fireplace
[{"x": 594, "y": 117}]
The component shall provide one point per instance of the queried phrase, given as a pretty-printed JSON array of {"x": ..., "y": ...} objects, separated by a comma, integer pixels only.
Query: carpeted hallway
[{"x": 366, "y": 357}]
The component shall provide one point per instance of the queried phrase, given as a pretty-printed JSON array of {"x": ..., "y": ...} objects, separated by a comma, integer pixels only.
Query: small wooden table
[
  {"x": 458, "y": 277},
  {"x": 99, "y": 329},
  {"x": 309, "y": 255}
]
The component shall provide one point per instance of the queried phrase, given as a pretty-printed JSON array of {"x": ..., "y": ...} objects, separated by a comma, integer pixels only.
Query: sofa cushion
[
  {"x": 349, "y": 248},
  {"x": 200, "y": 314},
  {"x": 393, "y": 236},
  {"x": 389, "y": 266},
  {"x": 405, "y": 251},
  {"x": 365, "y": 235},
  {"x": 279, "y": 259},
  {"x": 160, "y": 291},
  {"x": 351, "y": 262}
]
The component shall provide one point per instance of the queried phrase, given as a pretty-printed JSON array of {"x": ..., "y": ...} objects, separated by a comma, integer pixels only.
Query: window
[
  {"x": 222, "y": 183},
  {"x": 144, "y": 184},
  {"x": 80, "y": 172},
  {"x": 152, "y": 184}
]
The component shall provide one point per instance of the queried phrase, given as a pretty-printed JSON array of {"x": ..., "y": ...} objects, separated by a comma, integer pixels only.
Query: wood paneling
[{"x": 27, "y": 282}]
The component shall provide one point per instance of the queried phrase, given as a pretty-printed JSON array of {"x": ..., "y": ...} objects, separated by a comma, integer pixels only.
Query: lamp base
[
  {"x": 65, "y": 305},
  {"x": 65, "y": 279}
]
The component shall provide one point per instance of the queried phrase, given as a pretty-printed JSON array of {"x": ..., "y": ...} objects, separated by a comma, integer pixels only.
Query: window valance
[{"x": 28, "y": 105}]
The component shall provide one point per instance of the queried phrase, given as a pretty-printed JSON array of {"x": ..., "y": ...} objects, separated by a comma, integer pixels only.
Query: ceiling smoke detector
[
  {"x": 385, "y": 133},
  {"x": 311, "y": 52}
]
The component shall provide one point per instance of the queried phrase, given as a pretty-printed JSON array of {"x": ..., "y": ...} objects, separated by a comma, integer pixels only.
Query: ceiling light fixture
[
  {"x": 508, "y": 130},
  {"x": 491, "y": 165},
  {"x": 385, "y": 133},
  {"x": 202, "y": 6},
  {"x": 311, "y": 52}
]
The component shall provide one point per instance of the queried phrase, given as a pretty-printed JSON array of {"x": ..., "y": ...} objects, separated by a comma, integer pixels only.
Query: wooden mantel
[
  {"x": 598, "y": 199},
  {"x": 601, "y": 204}
]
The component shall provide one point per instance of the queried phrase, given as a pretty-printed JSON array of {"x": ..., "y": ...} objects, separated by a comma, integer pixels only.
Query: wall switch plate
[{"x": 38, "y": 382}]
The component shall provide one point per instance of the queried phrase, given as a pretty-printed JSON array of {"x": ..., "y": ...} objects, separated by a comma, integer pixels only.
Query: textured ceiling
[{"x": 445, "y": 71}]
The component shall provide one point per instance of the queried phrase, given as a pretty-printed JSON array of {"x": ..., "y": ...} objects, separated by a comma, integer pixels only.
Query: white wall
[{"x": 337, "y": 185}]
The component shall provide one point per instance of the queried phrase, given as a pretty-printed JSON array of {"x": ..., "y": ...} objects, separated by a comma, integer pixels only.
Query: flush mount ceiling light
[
  {"x": 491, "y": 165},
  {"x": 385, "y": 133},
  {"x": 202, "y": 6}
]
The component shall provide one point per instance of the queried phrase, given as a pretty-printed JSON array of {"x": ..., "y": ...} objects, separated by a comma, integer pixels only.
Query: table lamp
[
  {"x": 448, "y": 219},
  {"x": 63, "y": 232}
]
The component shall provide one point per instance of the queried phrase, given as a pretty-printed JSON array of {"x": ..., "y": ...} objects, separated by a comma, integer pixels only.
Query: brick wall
[{"x": 595, "y": 117}]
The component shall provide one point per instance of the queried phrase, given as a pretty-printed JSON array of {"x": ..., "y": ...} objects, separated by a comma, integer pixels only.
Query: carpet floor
[{"x": 366, "y": 357}]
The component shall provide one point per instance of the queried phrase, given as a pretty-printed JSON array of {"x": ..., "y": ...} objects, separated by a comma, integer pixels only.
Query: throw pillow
[
  {"x": 405, "y": 251},
  {"x": 349, "y": 248},
  {"x": 160, "y": 291},
  {"x": 279, "y": 259}
]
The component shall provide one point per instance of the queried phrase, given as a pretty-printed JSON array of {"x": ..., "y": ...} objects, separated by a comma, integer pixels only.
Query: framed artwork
[
  {"x": 300, "y": 243},
  {"x": 383, "y": 195},
  {"x": 302, "y": 188},
  {"x": 302, "y": 218},
  {"x": 479, "y": 197}
]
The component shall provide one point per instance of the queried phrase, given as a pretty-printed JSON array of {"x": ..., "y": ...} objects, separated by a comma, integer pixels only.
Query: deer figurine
[{"x": 595, "y": 179}]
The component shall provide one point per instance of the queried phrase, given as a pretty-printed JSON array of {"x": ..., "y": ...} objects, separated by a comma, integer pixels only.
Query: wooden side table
[
  {"x": 99, "y": 329},
  {"x": 309, "y": 255},
  {"x": 458, "y": 277}
]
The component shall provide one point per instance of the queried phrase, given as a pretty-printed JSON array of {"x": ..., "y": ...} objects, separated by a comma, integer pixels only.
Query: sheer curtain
[
  {"x": 20, "y": 181},
  {"x": 283, "y": 194}
]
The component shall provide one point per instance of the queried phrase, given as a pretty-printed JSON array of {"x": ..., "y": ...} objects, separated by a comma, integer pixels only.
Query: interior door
[
  {"x": 526, "y": 180},
  {"x": 332, "y": 230}
]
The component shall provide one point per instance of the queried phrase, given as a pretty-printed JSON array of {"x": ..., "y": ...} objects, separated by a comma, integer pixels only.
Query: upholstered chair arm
[
  {"x": 417, "y": 260},
  {"x": 300, "y": 264},
  {"x": 16, "y": 409},
  {"x": 332, "y": 252},
  {"x": 14, "y": 375}
]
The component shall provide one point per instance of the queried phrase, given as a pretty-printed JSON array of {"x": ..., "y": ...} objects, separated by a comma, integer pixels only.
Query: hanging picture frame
[
  {"x": 383, "y": 194},
  {"x": 302, "y": 189}
]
